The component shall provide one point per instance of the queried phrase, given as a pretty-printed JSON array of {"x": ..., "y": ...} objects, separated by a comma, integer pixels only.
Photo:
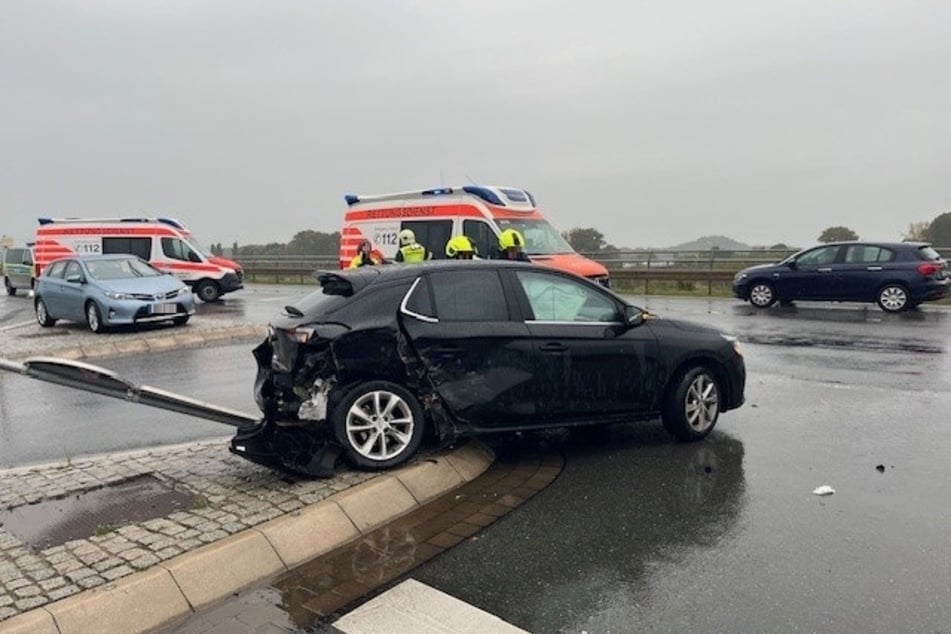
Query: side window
[
  {"x": 72, "y": 268},
  {"x": 556, "y": 298},
  {"x": 178, "y": 250},
  {"x": 868, "y": 254},
  {"x": 420, "y": 303},
  {"x": 482, "y": 237},
  {"x": 432, "y": 234},
  {"x": 822, "y": 256},
  {"x": 56, "y": 269},
  {"x": 141, "y": 247},
  {"x": 469, "y": 296}
]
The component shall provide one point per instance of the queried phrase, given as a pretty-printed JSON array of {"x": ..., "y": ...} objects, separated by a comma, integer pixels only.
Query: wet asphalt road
[{"x": 641, "y": 534}]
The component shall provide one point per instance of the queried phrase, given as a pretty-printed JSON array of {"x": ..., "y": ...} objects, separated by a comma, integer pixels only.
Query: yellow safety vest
[{"x": 413, "y": 252}]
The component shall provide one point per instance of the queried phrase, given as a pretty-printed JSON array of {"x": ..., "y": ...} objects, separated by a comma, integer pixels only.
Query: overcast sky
[{"x": 655, "y": 122}]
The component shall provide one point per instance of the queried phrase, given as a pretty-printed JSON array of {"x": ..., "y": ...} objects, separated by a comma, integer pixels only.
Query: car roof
[
  {"x": 893, "y": 245},
  {"x": 400, "y": 271},
  {"x": 97, "y": 258}
]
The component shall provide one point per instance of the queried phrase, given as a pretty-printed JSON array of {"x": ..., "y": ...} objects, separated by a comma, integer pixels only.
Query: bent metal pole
[{"x": 92, "y": 378}]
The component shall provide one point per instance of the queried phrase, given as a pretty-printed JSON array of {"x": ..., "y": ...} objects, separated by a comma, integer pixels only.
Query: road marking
[
  {"x": 20, "y": 325},
  {"x": 415, "y": 608}
]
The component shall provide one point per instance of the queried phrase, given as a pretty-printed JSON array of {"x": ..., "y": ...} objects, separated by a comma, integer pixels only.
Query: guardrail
[{"x": 630, "y": 266}]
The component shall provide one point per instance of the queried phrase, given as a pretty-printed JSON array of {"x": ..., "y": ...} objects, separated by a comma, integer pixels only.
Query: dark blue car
[{"x": 895, "y": 275}]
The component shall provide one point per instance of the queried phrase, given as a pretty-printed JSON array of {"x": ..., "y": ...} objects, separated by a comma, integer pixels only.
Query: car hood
[
  {"x": 571, "y": 262},
  {"x": 152, "y": 285},
  {"x": 662, "y": 323},
  {"x": 225, "y": 263},
  {"x": 759, "y": 268}
]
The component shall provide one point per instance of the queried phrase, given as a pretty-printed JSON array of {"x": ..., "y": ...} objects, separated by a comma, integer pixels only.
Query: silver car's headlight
[
  {"x": 184, "y": 291},
  {"x": 114, "y": 295}
]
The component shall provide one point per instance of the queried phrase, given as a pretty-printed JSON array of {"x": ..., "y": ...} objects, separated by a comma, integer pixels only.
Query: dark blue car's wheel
[
  {"x": 379, "y": 424},
  {"x": 693, "y": 405},
  {"x": 893, "y": 298},
  {"x": 762, "y": 294}
]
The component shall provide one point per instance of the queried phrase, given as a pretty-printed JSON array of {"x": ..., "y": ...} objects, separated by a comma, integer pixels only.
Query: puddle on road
[{"x": 97, "y": 511}]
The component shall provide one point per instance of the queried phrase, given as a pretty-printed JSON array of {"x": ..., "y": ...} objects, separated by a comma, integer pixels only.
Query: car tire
[
  {"x": 181, "y": 320},
  {"x": 94, "y": 317},
  {"x": 208, "y": 291},
  {"x": 893, "y": 298},
  {"x": 762, "y": 294},
  {"x": 379, "y": 424},
  {"x": 42, "y": 314},
  {"x": 11, "y": 290},
  {"x": 693, "y": 404}
]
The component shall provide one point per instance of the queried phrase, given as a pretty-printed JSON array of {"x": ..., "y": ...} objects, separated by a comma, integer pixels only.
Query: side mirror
[
  {"x": 791, "y": 264},
  {"x": 633, "y": 316},
  {"x": 74, "y": 279}
]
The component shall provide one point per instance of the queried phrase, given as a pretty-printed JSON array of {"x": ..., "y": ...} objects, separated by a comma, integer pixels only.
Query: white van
[
  {"x": 164, "y": 242},
  {"x": 479, "y": 212}
]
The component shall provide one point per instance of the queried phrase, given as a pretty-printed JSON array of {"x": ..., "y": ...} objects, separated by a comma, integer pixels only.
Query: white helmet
[{"x": 407, "y": 237}]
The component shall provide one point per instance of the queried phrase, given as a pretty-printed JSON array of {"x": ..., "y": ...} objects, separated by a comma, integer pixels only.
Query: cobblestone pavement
[{"x": 233, "y": 493}]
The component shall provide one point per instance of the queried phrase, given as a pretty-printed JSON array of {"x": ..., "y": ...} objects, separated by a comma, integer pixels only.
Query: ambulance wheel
[
  {"x": 42, "y": 315},
  {"x": 208, "y": 291},
  {"x": 94, "y": 317}
]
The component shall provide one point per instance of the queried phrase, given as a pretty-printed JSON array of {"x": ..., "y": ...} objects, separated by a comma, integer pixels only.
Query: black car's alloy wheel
[
  {"x": 693, "y": 405},
  {"x": 893, "y": 298},
  {"x": 379, "y": 424},
  {"x": 762, "y": 295}
]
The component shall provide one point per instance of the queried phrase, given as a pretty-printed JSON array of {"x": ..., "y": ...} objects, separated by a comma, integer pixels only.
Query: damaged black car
[{"x": 381, "y": 358}]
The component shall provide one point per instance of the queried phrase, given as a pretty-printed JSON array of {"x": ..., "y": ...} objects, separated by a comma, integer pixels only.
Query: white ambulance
[
  {"x": 479, "y": 212},
  {"x": 164, "y": 242}
]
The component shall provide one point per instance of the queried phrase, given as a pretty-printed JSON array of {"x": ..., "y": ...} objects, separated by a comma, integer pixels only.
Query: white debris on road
[{"x": 825, "y": 489}]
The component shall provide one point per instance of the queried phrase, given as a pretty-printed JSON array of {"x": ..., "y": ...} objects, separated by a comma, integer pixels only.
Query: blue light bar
[
  {"x": 485, "y": 194},
  {"x": 45, "y": 221},
  {"x": 531, "y": 199},
  {"x": 173, "y": 222},
  {"x": 442, "y": 191},
  {"x": 351, "y": 199},
  {"x": 515, "y": 195}
]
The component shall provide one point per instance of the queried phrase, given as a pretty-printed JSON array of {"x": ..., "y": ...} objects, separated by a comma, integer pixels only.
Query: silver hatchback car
[{"x": 110, "y": 290}]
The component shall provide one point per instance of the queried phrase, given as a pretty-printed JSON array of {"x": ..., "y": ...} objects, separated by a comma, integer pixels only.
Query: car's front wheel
[
  {"x": 42, "y": 315},
  {"x": 893, "y": 298},
  {"x": 181, "y": 320},
  {"x": 379, "y": 424},
  {"x": 762, "y": 294},
  {"x": 693, "y": 404},
  {"x": 94, "y": 317}
]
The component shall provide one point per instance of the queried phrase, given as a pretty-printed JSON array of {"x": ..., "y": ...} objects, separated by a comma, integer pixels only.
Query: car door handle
[
  {"x": 553, "y": 347},
  {"x": 875, "y": 268},
  {"x": 825, "y": 269}
]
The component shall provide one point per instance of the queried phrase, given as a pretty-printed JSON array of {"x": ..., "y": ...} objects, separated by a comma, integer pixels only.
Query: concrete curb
[{"x": 172, "y": 590}]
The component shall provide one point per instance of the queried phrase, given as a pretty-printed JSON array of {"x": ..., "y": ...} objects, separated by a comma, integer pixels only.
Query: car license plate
[{"x": 164, "y": 309}]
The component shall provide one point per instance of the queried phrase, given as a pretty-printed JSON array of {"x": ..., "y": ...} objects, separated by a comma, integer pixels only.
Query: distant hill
[{"x": 707, "y": 243}]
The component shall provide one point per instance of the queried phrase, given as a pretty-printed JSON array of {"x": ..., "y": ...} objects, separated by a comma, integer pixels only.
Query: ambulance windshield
[
  {"x": 540, "y": 237},
  {"x": 200, "y": 248}
]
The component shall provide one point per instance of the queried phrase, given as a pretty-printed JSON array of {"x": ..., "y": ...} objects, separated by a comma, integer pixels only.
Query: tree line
[{"x": 582, "y": 239}]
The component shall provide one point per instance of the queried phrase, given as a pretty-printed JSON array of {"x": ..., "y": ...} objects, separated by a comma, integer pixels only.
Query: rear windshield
[
  {"x": 928, "y": 253},
  {"x": 320, "y": 303}
]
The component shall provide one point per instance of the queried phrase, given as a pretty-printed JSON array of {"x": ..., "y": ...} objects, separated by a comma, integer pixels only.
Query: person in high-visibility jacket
[
  {"x": 365, "y": 256},
  {"x": 410, "y": 250},
  {"x": 460, "y": 248}
]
